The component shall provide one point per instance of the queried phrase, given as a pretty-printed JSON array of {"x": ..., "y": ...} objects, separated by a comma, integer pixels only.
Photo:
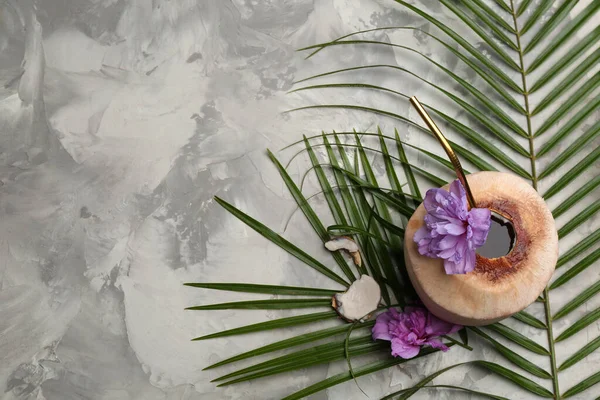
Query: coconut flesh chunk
[
  {"x": 359, "y": 301},
  {"x": 342, "y": 243},
  {"x": 347, "y": 244},
  {"x": 498, "y": 287}
]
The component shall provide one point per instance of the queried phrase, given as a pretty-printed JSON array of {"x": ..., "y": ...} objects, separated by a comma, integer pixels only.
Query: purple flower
[
  {"x": 451, "y": 231},
  {"x": 411, "y": 329}
]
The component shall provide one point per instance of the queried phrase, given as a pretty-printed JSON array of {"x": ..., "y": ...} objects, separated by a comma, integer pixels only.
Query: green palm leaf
[
  {"x": 468, "y": 47},
  {"x": 576, "y": 146},
  {"x": 490, "y": 13},
  {"x": 358, "y": 372},
  {"x": 578, "y": 195},
  {"x": 565, "y": 85},
  {"x": 574, "y": 172},
  {"x": 473, "y": 65},
  {"x": 311, "y": 216},
  {"x": 517, "y": 338},
  {"x": 265, "y": 289},
  {"x": 293, "y": 342},
  {"x": 571, "y": 56},
  {"x": 275, "y": 304},
  {"x": 281, "y": 242},
  {"x": 535, "y": 16},
  {"x": 577, "y": 301},
  {"x": 530, "y": 320},
  {"x": 579, "y": 325},
  {"x": 583, "y": 385},
  {"x": 492, "y": 21},
  {"x": 514, "y": 357},
  {"x": 579, "y": 248},
  {"x": 564, "y": 34},
  {"x": 310, "y": 356},
  {"x": 274, "y": 324},
  {"x": 580, "y": 354},
  {"x": 579, "y": 219},
  {"x": 578, "y": 97},
  {"x": 498, "y": 369},
  {"x": 454, "y": 388},
  {"x": 547, "y": 28},
  {"x": 576, "y": 269}
]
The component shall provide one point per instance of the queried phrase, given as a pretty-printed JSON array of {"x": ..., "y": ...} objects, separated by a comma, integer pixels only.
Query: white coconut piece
[
  {"x": 359, "y": 301},
  {"x": 498, "y": 287},
  {"x": 342, "y": 243},
  {"x": 347, "y": 244}
]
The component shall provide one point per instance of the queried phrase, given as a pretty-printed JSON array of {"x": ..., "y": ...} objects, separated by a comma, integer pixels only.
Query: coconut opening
[{"x": 501, "y": 238}]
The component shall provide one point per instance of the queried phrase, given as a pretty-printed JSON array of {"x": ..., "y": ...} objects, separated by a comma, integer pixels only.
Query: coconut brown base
[{"x": 498, "y": 287}]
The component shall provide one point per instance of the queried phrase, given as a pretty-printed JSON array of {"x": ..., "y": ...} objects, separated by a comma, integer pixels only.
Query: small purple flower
[
  {"x": 451, "y": 231},
  {"x": 411, "y": 329}
]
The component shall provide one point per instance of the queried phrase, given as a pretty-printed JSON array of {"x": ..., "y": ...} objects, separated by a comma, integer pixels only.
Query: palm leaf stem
[{"x": 534, "y": 179}]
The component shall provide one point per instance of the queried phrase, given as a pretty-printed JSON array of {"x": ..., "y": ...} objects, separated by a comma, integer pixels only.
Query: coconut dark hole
[{"x": 500, "y": 239}]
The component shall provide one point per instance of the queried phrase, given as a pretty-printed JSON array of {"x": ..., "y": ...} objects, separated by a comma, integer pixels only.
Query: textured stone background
[{"x": 119, "y": 120}]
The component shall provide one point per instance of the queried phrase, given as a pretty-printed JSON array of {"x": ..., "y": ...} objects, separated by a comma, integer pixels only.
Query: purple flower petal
[
  {"x": 451, "y": 231},
  {"x": 457, "y": 189},
  {"x": 470, "y": 260},
  {"x": 456, "y": 229},
  {"x": 404, "y": 350},
  {"x": 381, "y": 328},
  {"x": 452, "y": 267},
  {"x": 431, "y": 200},
  {"x": 437, "y": 344},
  {"x": 462, "y": 245},
  {"x": 446, "y": 254},
  {"x": 479, "y": 221},
  {"x": 409, "y": 330},
  {"x": 447, "y": 242},
  {"x": 438, "y": 327}
]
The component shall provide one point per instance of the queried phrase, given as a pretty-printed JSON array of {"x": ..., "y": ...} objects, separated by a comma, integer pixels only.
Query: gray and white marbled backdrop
[{"x": 119, "y": 121}]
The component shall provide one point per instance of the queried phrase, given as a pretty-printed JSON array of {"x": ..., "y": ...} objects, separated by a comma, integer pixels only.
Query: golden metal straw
[{"x": 453, "y": 158}]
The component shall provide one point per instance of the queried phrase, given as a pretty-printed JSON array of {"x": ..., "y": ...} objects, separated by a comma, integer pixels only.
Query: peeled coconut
[{"x": 498, "y": 287}]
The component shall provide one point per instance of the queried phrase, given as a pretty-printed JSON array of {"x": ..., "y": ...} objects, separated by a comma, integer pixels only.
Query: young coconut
[
  {"x": 363, "y": 296},
  {"x": 497, "y": 287}
]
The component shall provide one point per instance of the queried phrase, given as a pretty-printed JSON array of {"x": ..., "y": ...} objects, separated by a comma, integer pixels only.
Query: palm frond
[
  {"x": 273, "y": 324},
  {"x": 579, "y": 248},
  {"x": 265, "y": 289},
  {"x": 564, "y": 34},
  {"x": 358, "y": 372},
  {"x": 283, "y": 243},
  {"x": 517, "y": 338},
  {"x": 522, "y": 381},
  {"x": 311, "y": 216},
  {"x": 295, "y": 341},
  {"x": 274, "y": 304},
  {"x": 513, "y": 357},
  {"x": 566, "y": 60}
]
